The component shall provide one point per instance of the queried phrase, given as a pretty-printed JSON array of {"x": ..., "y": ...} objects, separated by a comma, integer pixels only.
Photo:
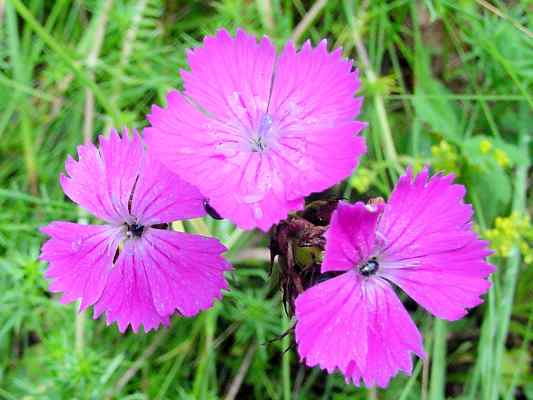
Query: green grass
[{"x": 441, "y": 78}]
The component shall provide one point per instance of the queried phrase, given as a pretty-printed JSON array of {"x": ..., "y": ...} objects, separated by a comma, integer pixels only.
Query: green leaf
[
  {"x": 492, "y": 187},
  {"x": 436, "y": 110},
  {"x": 473, "y": 150}
]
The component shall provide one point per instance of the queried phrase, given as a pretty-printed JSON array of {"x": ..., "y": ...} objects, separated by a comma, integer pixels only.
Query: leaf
[
  {"x": 491, "y": 186},
  {"x": 472, "y": 148},
  {"x": 433, "y": 108}
]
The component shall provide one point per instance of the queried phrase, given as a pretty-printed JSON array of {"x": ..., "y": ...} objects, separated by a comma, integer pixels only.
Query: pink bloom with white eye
[
  {"x": 255, "y": 131},
  {"x": 131, "y": 267},
  {"x": 422, "y": 241}
]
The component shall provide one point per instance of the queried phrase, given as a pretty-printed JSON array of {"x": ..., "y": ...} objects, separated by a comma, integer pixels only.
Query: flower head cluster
[
  {"x": 256, "y": 132},
  {"x": 132, "y": 268},
  {"x": 446, "y": 158},
  {"x": 422, "y": 241},
  {"x": 252, "y": 134},
  {"x": 514, "y": 230}
]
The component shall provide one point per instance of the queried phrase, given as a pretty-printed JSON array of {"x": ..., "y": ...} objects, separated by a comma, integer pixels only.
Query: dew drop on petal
[
  {"x": 187, "y": 150},
  {"x": 264, "y": 181},
  {"x": 294, "y": 109},
  {"x": 253, "y": 198},
  {"x": 226, "y": 149},
  {"x": 76, "y": 245},
  {"x": 258, "y": 213},
  {"x": 236, "y": 103}
]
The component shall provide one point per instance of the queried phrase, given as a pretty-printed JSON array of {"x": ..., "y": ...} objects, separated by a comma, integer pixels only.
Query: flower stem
[
  {"x": 505, "y": 306},
  {"x": 286, "y": 360},
  {"x": 79, "y": 323},
  {"x": 379, "y": 102},
  {"x": 199, "y": 226},
  {"x": 438, "y": 365}
]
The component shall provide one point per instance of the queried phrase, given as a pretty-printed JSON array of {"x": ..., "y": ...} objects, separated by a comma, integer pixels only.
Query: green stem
[
  {"x": 201, "y": 381},
  {"x": 234, "y": 238},
  {"x": 410, "y": 383},
  {"x": 286, "y": 360},
  {"x": 511, "y": 275},
  {"x": 438, "y": 364},
  {"x": 386, "y": 134},
  {"x": 199, "y": 226},
  {"x": 524, "y": 357},
  {"x": 79, "y": 331},
  {"x": 379, "y": 103}
]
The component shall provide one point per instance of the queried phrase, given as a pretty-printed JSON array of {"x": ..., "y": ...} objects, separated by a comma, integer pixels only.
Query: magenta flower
[
  {"x": 131, "y": 267},
  {"x": 256, "y": 132},
  {"x": 422, "y": 241}
]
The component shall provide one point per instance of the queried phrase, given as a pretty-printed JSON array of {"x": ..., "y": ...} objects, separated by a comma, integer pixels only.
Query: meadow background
[{"x": 446, "y": 82}]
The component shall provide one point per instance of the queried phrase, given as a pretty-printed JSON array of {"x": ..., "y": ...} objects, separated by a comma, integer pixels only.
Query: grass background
[{"x": 446, "y": 82}]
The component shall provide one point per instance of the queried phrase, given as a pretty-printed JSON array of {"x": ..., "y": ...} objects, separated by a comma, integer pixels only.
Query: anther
[{"x": 370, "y": 267}]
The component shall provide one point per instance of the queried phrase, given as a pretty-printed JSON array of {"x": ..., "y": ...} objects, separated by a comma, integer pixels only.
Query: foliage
[{"x": 447, "y": 83}]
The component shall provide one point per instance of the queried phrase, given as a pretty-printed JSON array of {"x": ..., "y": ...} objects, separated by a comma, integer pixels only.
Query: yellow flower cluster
[
  {"x": 446, "y": 158},
  {"x": 514, "y": 230},
  {"x": 362, "y": 179},
  {"x": 502, "y": 158},
  {"x": 485, "y": 146},
  {"x": 499, "y": 155}
]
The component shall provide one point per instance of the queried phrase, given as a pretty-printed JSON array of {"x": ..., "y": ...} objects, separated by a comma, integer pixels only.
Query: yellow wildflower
[
  {"x": 446, "y": 158},
  {"x": 511, "y": 231},
  {"x": 485, "y": 146},
  {"x": 502, "y": 158},
  {"x": 362, "y": 179}
]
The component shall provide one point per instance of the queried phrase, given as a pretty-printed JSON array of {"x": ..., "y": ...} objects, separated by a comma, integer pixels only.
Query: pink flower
[
  {"x": 131, "y": 267},
  {"x": 422, "y": 241},
  {"x": 256, "y": 132}
]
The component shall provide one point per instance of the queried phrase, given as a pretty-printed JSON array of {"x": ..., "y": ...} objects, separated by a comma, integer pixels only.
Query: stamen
[
  {"x": 162, "y": 226},
  {"x": 135, "y": 230},
  {"x": 370, "y": 267},
  {"x": 258, "y": 145},
  {"x": 265, "y": 125},
  {"x": 259, "y": 142},
  {"x": 211, "y": 211}
]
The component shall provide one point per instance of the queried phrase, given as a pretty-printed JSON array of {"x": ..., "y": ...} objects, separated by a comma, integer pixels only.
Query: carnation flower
[
  {"x": 256, "y": 132},
  {"x": 422, "y": 241},
  {"x": 132, "y": 267}
]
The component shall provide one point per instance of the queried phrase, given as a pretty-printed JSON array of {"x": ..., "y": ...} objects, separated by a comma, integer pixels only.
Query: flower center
[
  {"x": 258, "y": 145},
  {"x": 135, "y": 230},
  {"x": 370, "y": 267},
  {"x": 260, "y": 140}
]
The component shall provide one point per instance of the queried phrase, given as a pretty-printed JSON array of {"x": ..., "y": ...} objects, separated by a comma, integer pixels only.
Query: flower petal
[
  {"x": 314, "y": 106},
  {"x": 103, "y": 179},
  {"x": 313, "y": 87},
  {"x": 160, "y": 196},
  {"x": 350, "y": 236},
  {"x": 80, "y": 259},
  {"x": 187, "y": 271},
  {"x": 314, "y": 158},
  {"x": 430, "y": 249},
  {"x": 231, "y": 77},
  {"x": 245, "y": 187},
  {"x": 392, "y": 336},
  {"x": 126, "y": 298},
  {"x": 256, "y": 160},
  {"x": 331, "y": 323},
  {"x": 358, "y": 326},
  {"x": 161, "y": 273}
]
